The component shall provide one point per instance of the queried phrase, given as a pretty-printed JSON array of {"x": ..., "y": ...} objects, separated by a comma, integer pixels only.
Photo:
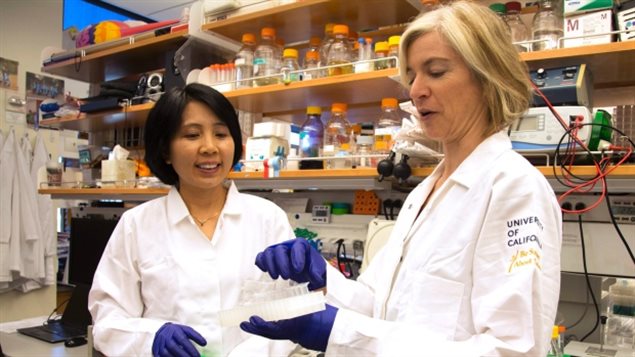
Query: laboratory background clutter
[{"x": 328, "y": 134}]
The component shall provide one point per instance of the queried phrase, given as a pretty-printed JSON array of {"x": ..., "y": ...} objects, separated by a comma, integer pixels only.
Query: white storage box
[
  {"x": 589, "y": 25},
  {"x": 272, "y": 128},
  {"x": 581, "y": 6},
  {"x": 626, "y": 21},
  {"x": 262, "y": 148}
]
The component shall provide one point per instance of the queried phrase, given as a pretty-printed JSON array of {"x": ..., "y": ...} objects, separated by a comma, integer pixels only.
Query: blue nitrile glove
[
  {"x": 296, "y": 260},
  {"x": 174, "y": 340},
  {"x": 311, "y": 331}
]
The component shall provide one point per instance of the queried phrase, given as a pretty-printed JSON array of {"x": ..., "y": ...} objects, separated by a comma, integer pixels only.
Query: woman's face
[
  {"x": 448, "y": 98},
  {"x": 202, "y": 150}
]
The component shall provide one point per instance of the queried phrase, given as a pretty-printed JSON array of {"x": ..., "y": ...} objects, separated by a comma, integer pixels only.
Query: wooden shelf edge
[
  {"x": 588, "y": 50},
  {"x": 279, "y": 9},
  {"x": 50, "y": 68}
]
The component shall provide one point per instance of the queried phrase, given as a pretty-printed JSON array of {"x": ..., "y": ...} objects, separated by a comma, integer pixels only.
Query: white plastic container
[{"x": 276, "y": 304}]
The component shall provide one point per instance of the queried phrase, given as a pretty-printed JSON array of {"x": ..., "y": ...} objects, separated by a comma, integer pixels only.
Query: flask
[
  {"x": 393, "y": 50},
  {"x": 311, "y": 138},
  {"x": 381, "y": 51},
  {"x": 388, "y": 125},
  {"x": 244, "y": 61},
  {"x": 290, "y": 64},
  {"x": 547, "y": 25},
  {"x": 620, "y": 325},
  {"x": 519, "y": 31},
  {"x": 311, "y": 65},
  {"x": 264, "y": 58},
  {"x": 339, "y": 52},
  {"x": 337, "y": 137}
]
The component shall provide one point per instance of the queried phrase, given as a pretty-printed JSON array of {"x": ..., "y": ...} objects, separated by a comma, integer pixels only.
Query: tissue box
[{"x": 118, "y": 173}]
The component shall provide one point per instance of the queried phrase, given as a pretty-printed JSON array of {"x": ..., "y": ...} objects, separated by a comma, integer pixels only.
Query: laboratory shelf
[
  {"x": 611, "y": 64},
  {"x": 119, "y": 59},
  {"x": 296, "y": 22},
  {"x": 274, "y": 100},
  {"x": 133, "y": 116},
  {"x": 620, "y": 180}
]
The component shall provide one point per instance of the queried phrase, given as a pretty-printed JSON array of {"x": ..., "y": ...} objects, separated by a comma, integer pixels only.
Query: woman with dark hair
[{"x": 174, "y": 262}]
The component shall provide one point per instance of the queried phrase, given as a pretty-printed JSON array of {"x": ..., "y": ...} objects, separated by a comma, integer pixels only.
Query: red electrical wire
[{"x": 570, "y": 156}]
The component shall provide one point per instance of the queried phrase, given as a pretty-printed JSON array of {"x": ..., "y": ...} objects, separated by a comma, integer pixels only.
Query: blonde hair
[{"x": 482, "y": 39}]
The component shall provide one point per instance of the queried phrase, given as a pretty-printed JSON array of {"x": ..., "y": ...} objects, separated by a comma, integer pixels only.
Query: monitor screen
[{"x": 88, "y": 240}]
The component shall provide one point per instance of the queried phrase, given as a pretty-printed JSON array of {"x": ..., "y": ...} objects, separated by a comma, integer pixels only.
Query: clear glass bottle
[
  {"x": 311, "y": 138},
  {"x": 314, "y": 46},
  {"x": 393, "y": 49},
  {"x": 337, "y": 137},
  {"x": 244, "y": 61},
  {"x": 388, "y": 125},
  {"x": 381, "y": 51},
  {"x": 500, "y": 10},
  {"x": 339, "y": 52},
  {"x": 547, "y": 26},
  {"x": 325, "y": 45},
  {"x": 290, "y": 64},
  {"x": 520, "y": 32},
  {"x": 279, "y": 41},
  {"x": 311, "y": 65},
  {"x": 264, "y": 58}
]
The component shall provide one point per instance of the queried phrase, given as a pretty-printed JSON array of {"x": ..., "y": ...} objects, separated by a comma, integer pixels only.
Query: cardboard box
[
  {"x": 572, "y": 7},
  {"x": 590, "y": 26},
  {"x": 118, "y": 173}
]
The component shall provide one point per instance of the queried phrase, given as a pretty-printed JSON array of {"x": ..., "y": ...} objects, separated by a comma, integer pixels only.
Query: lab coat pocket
[
  {"x": 437, "y": 300},
  {"x": 158, "y": 276}
]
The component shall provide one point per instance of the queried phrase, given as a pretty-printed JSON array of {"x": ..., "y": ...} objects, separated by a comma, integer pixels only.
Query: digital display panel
[
  {"x": 527, "y": 123},
  {"x": 624, "y": 210}
]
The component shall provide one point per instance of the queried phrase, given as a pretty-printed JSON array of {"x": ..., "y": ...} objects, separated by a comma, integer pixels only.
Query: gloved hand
[
  {"x": 296, "y": 260},
  {"x": 311, "y": 331},
  {"x": 174, "y": 340}
]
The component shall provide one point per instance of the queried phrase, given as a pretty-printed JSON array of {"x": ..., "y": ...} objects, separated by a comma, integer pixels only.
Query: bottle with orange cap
[
  {"x": 244, "y": 61},
  {"x": 338, "y": 137},
  {"x": 339, "y": 52},
  {"x": 311, "y": 138},
  {"x": 264, "y": 58},
  {"x": 388, "y": 125},
  {"x": 311, "y": 63},
  {"x": 290, "y": 67}
]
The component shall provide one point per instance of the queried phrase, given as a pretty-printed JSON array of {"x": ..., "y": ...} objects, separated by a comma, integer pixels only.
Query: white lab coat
[
  {"x": 45, "y": 210},
  {"x": 158, "y": 267},
  {"x": 476, "y": 274},
  {"x": 31, "y": 249},
  {"x": 8, "y": 245}
]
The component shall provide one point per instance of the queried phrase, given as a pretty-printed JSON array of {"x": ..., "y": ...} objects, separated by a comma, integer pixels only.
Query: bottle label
[
  {"x": 240, "y": 61},
  {"x": 260, "y": 60}
]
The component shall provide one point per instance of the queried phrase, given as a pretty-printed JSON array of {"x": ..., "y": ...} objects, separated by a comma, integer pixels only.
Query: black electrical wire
[
  {"x": 617, "y": 229},
  {"x": 387, "y": 202},
  {"x": 588, "y": 281},
  {"x": 341, "y": 252},
  {"x": 568, "y": 134}
]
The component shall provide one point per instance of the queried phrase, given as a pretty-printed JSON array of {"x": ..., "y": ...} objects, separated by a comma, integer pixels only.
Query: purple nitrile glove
[
  {"x": 311, "y": 331},
  {"x": 174, "y": 340},
  {"x": 294, "y": 259}
]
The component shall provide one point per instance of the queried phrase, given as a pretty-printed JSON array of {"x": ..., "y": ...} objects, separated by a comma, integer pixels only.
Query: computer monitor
[{"x": 88, "y": 240}]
